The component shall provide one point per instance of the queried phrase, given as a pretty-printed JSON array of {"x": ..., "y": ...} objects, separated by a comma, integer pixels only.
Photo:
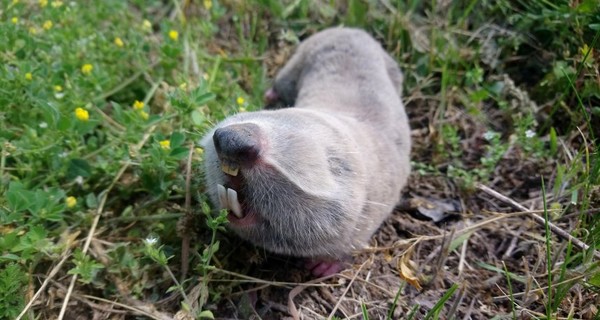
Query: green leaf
[
  {"x": 198, "y": 118},
  {"x": 290, "y": 8},
  {"x": 177, "y": 139},
  {"x": 459, "y": 240},
  {"x": 595, "y": 280},
  {"x": 117, "y": 111},
  {"x": 204, "y": 98},
  {"x": 50, "y": 113},
  {"x": 18, "y": 197},
  {"x": 91, "y": 201},
  {"x": 64, "y": 124},
  {"x": 9, "y": 240},
  {"x": 79, "y": 167},
  {"x": 513, "y": 276},
  {"x": 85, "y": 267},
  {"x": 206, "y": 314},
  {"x": 479, "y": 95},
  {"x": 179, "y": 153},
  {"x": 588, "y": 6},
  {"x": 9, "y": 257}
]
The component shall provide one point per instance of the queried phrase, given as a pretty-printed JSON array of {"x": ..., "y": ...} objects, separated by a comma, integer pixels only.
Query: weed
[{"x": 12, "y": 283}]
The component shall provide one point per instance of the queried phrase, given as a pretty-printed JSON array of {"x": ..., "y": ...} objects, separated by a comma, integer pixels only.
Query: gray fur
[{"x": 333, "y": 166}]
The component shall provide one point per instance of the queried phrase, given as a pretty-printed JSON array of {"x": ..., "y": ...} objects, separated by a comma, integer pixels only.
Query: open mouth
[{"x": 232, "y": 197}]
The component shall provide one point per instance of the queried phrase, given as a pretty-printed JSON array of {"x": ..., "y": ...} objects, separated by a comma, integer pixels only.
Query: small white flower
[
  {"x": 151, "y": 240},
  {"x": 43, "y": 125},
  {"x": 63, "y": 154},
  {"x": 489, "y": 135},
  {"x": 529, "y": 133},
  {"x": 79, "y": 180}
]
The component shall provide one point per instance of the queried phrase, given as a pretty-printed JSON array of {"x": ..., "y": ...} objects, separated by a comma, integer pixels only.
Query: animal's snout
[{"x": 238, "y": 143}]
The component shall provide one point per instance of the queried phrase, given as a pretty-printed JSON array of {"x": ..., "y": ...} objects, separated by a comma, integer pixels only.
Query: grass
[{"x": 101, "y": 105}]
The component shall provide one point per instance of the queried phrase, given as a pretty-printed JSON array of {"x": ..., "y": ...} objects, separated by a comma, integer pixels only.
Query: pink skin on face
[
  {"x": 323, "y": 268},
  {"x": 271, "y": 96}
]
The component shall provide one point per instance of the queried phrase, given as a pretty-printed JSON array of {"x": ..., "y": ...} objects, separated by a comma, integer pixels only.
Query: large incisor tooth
[
  {"x": 222, "y": 196},
  {"x": 234, "y": 204},
  {"x": 230, "y": 169}
]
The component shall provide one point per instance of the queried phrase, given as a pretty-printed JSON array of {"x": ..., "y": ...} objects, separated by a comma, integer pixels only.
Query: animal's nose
[{"x": 238, "y": 142}]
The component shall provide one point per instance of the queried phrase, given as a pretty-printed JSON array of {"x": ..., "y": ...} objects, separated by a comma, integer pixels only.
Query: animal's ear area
[
  {"x": 271, "y": 96},
  {"x": 273, "y": 100}
]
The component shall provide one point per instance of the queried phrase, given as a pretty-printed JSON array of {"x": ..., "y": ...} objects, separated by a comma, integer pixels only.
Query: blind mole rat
[{"x": 316, "y": 180}]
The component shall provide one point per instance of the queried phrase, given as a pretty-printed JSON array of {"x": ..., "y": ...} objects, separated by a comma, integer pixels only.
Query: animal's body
[{"x": 317, "y": 179}]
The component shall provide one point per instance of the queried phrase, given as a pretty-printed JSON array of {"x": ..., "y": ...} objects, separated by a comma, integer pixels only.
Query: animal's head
[{"x": 290, "y": 179}]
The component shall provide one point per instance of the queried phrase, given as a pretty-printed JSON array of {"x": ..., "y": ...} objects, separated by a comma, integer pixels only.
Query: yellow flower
[
  {"x": 174, "y": 35},
  {"x": 33, "y": 30},
  {"x": 71, "y": 202},
  {"x": 119, "y": 42},
  {"x": 183, "y": 86},
  {"x": 14, "y": 20},
  {"x": 165, "y": 144},
  {"x": 240, "y": 101},
  {"x": 47, "y": 25},
  {"x": 28, "y": 76},
  {"x": 207, "y": 4},
  {"x": 58, "y": 88},
  {"x": 82, "y": 114},
  {"x": 43, "y": 3},
  {"x": 586, "y": 50},
  {"x": 87, "y": 69},
  {"x": 138, "y": 105},
  {"x": 199, "y": 151},
  {"x": 56, "y": 4},
  {"x": 241, "y": 109},
  {"x": 144, "y": 115},
  {"x": 146, "y": 25}
]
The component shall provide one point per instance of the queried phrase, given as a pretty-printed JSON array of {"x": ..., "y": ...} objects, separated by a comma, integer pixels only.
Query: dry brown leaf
[{"x": 406, "y": 270}]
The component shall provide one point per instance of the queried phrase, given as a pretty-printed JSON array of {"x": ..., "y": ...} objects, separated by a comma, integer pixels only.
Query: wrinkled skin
[{"x": 317, "y": 179}]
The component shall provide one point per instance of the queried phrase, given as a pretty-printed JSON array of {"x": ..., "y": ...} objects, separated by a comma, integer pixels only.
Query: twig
[
  {"x": 314, "y": 283},
  {"x": 142, "y": 309},
  {"x": 337, "y": 305},
  {"x": 90, "y": 235},
  {"x": 296, "y": 291},
  {"x": 538, "y": 219},
  {"x": 414, "y": 240},
  {"x": 463, "y": 255},
  {"x": 120, "y": 128},
  {"x": 92, "y": 305},
  {"x": 540, "y": 289},
  {"x": 185, "y": 238},
  {"x": 44, "y": 284}
]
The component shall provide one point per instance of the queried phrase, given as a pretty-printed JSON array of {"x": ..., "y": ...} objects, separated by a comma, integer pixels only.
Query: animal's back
[{"x": 344, "y": 72}]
